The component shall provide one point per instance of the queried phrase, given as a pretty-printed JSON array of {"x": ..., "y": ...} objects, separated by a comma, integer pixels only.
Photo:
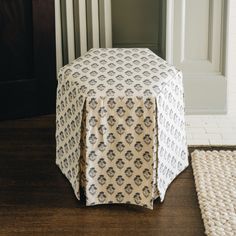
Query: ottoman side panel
[
  {"x": 172, "y": 144},
  {"x": 68, "y": 128}
]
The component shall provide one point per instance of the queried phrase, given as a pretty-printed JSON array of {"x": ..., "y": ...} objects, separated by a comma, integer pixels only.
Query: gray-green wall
[{"x": 139, "y": 23}]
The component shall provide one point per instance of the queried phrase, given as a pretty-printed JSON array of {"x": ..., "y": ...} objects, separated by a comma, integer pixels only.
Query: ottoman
[{"x": 120, "y": 129}]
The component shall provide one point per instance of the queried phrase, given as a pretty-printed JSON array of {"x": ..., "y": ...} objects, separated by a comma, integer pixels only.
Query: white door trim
[{"x": 204, "y": 79}]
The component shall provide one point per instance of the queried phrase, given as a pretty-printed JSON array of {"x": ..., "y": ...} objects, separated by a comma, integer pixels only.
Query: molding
[
  {"x": 162, "y": 36},
  {"x": 108, "y": 23},
  {"x": 226, "y": 41},
  {"x": 213, "y": 61},
  {"x": 82, "y": 26},
  {"x": 206, "y": 111},
  {"x": 183, "y": 32},
  {"x": 70, "y": 30},
  {"x": 105, "y": 23},
  {"x": 64, "y": 32},
  {"x": 210, "y": 33},
  {"x": 92, "y": 24},
  {"x": 205, "y": 83},
  {"x": 169, "y": 30},
  {"x": 204, "y": 76},
  {"x": 77, "y": 28},
  {"x": 58, "y": 35},
  {"x": 95, "y": 23}
]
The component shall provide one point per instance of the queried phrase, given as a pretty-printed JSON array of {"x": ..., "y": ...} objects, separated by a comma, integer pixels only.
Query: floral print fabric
[{"x": 120, "y": 126}]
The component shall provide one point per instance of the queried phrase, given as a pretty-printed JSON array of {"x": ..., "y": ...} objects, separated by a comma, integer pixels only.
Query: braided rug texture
[{"x": 215, "y": 180}]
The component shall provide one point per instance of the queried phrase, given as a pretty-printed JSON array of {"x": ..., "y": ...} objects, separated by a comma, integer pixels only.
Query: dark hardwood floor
[{"x": 36, "y": 199}]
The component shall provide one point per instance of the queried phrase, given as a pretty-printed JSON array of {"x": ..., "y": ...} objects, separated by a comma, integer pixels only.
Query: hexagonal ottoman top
[{"x": 120, "y": 128}]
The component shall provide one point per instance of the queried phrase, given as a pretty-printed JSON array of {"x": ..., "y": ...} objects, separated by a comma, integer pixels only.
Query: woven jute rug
[{"x": 215, "y": 180}]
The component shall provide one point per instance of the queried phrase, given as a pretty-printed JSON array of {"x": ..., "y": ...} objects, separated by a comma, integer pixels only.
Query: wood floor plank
[{"x": 36, "y": 199}]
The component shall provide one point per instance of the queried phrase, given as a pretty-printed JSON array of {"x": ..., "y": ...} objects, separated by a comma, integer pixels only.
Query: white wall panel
[
  {"x": 78, "y": 27},
  {"x": 196, "y": 45},
  {"x": 70, "y": 29},
  {"x": 83, "y": 30},
  {"x": 197, "y": 34},
  {"x": 95, "y": 23},
  {"x": 231, "y": 57},
  {"x": 58, "y": 34},
  {"x": 105, "y": 23},
  {"x": 196, "y": 14}
]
